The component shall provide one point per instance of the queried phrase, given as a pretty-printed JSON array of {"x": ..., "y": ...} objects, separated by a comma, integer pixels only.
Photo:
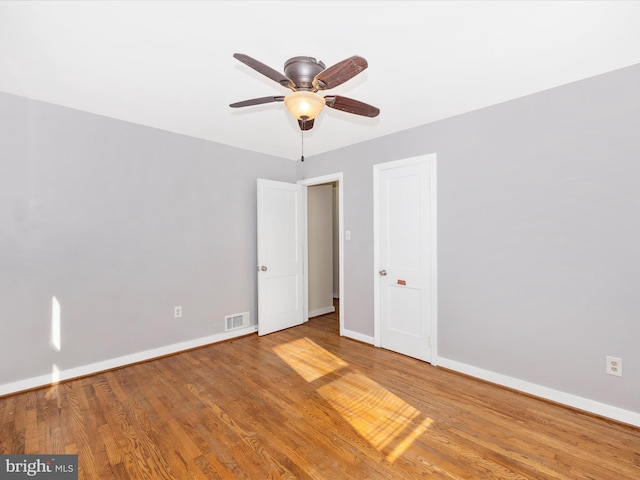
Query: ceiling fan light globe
[{"x": 304, "y": 105}]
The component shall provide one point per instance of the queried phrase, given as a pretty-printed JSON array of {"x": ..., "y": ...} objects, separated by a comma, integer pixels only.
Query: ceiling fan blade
[
  {"x": 257, "y": 101},
  {"x": 351, "y": 106},
  {"x": 339, "y": 73},
  {"x": 265, "y": 70},
  {"x": 306, "y": 125}
]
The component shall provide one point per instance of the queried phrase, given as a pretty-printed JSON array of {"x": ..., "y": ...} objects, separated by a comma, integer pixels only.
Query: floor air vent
[{"x": 237, "y": 320}]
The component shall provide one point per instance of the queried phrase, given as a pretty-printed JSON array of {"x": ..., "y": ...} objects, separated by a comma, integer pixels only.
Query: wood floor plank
[
  {"x": 76, "y": 438},
  {"x": 335, "y": 449},
  {"x": 306, "y": 403}
]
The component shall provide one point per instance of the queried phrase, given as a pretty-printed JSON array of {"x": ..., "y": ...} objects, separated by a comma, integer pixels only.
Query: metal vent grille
[{"x": 237, "y": 320}]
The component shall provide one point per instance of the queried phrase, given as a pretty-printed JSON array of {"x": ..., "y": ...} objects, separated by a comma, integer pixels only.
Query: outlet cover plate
[{"x": 614, "y": 366}]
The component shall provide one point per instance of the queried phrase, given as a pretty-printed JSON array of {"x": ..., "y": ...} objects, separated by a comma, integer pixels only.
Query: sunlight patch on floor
[
  {"x": 381, "y": 417},
  {"x": 308, "y": 359},
  {"x": 386, "y": 421}
]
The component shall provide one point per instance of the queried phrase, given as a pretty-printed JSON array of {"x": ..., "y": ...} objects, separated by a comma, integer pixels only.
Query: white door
[
  {"x": 405, "y": 250},
  {"x": 281, "y": 236}
]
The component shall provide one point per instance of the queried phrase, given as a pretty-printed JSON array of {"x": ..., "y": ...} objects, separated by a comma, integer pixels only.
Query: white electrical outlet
[
  {"x": 614, "y": 366},
  {"x": 177, "y": 312}
]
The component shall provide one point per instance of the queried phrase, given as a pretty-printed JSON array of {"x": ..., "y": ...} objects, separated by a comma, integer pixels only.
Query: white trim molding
[
  {"x": 91, "y": 369},
  {"x": 321, "y": 311},
  {"x": 568, "y": 399},
  {"x": 358, "y": 336}
]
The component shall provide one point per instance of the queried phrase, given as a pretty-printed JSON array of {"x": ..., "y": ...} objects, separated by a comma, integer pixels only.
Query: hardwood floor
[{"x": 306, "y": 403}]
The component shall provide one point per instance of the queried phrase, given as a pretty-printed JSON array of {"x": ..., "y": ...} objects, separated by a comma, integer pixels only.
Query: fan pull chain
[{"x": 302, "y": 140}]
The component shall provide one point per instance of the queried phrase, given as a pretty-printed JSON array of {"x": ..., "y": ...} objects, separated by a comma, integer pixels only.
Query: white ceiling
[{"x": 169, "y": 65}]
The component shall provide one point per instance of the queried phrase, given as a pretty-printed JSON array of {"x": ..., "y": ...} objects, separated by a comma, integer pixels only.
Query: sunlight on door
[{"x": 386, "y": 421}]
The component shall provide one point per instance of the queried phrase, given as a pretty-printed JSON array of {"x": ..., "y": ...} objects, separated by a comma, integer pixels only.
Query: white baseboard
[
  {"x": 93, "y": 368},
  {"x": 591, "y": 406},
  {"x": 322, "y": 311},
  {"x": 358, "y": 336}
]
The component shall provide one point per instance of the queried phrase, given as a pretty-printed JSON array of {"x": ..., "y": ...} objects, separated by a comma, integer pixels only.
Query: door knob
[
  {"x": 383, "y": 273},
  {"x": 263, "y": 268}
]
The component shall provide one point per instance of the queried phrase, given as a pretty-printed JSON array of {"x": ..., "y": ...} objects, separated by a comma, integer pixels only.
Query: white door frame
[
  {"x": 309, "y": 182},
  {"x": 433, "y": 252}
]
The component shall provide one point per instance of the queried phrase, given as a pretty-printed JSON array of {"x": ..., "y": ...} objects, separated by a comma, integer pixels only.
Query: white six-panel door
[
  {"x": 281, "y": 238},
  {"x": 405, "y": 249}
]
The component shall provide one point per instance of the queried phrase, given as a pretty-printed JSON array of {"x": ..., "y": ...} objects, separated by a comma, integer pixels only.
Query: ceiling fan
[{"x": 305, "y": 76}]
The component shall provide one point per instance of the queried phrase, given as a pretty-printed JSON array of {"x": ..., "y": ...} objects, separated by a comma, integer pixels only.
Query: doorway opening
[{"x": 324, "y": 259}]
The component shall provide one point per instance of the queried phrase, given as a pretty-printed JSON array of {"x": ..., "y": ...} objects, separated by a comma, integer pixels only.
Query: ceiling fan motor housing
[{"x": 302, "y": 70}]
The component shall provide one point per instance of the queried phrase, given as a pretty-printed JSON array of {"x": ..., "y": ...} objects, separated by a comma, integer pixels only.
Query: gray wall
[
  {"x": 538, "y": 234},
  {"x": 539, "y": 237},
  {"x": 120, "y": 223}
]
